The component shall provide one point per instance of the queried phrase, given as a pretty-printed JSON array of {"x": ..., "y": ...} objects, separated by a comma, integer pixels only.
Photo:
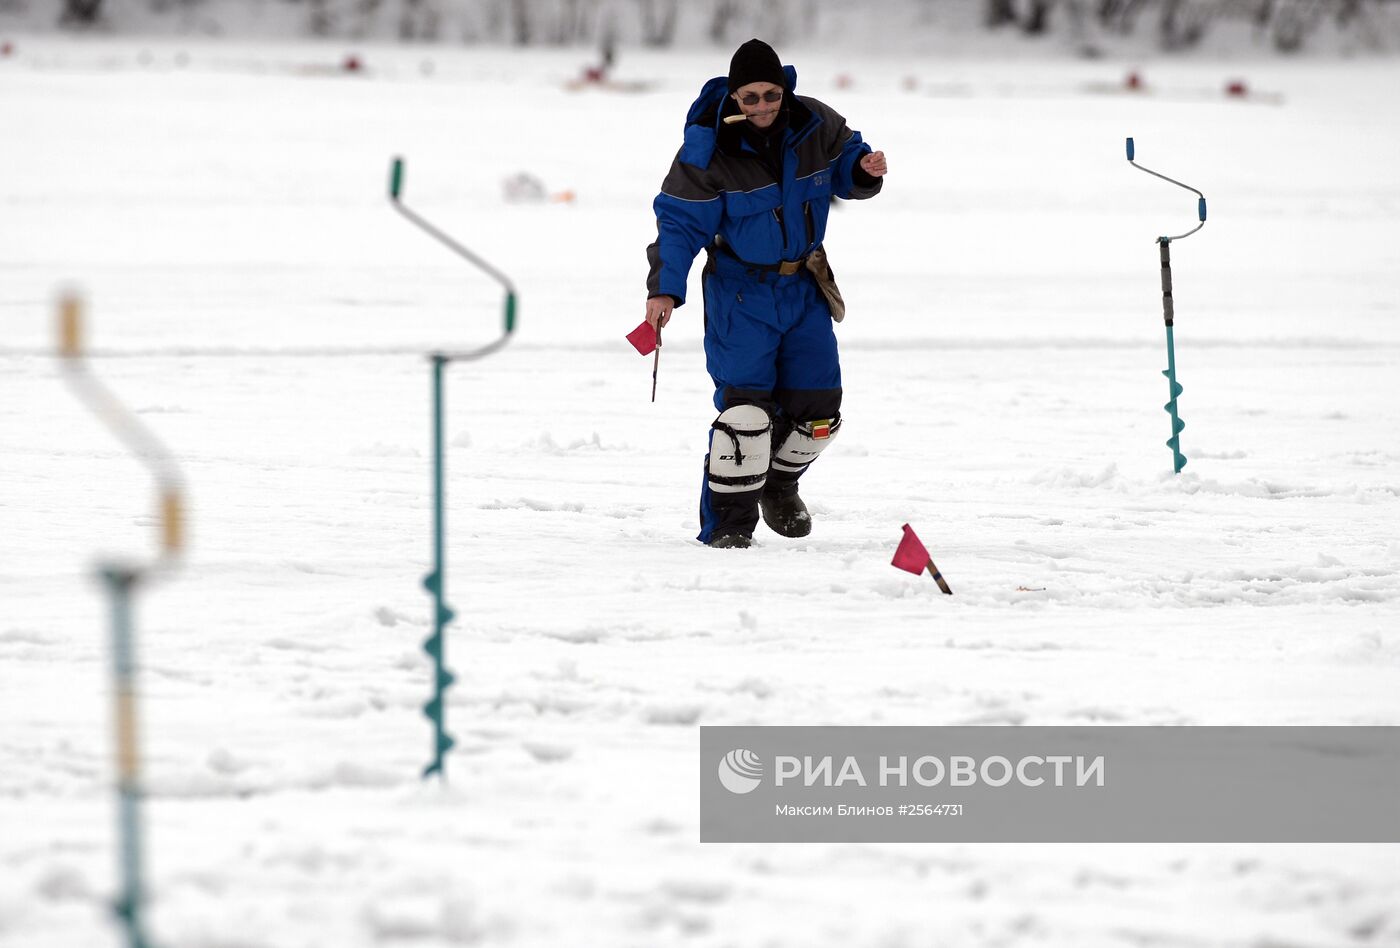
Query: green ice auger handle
[
  {"x": 1201, "y": 198},
  {"x": 396, "y": 173},
  {"x": 396, "y": 177}
]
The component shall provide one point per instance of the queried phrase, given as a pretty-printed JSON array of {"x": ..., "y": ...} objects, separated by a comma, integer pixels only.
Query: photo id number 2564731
[{"x": 931, "y": 809}]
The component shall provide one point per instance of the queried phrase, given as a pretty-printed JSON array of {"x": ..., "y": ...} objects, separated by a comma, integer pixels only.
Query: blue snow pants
[{"x": 768, "y": 342}]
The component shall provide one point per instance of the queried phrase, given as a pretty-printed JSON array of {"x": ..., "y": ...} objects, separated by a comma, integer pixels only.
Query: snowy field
[{"x": 256, "y": 300}]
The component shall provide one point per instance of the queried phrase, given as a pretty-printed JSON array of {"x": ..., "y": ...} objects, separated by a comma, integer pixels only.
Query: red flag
[
  {"x": 911, "y": 555},
  {"x": 643, "y": 338}
]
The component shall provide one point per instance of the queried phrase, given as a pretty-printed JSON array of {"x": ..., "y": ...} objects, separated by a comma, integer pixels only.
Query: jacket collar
[
  {"x": 713, "y": 104},
  {"x": 705, "y": 131}
]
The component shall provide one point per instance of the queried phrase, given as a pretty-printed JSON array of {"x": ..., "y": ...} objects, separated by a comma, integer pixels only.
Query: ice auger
[
  {"x": 122, "y": 578},
  {"x": 436, "y": 581},
  {"x": 1169, "y": 313}
]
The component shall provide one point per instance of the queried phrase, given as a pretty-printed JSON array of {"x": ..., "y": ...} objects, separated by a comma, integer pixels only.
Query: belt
[{"x": 782, "y": 267}]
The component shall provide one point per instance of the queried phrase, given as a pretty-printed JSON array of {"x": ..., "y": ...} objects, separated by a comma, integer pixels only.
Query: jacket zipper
[
  {"x": 811, "y": 225},
  {"x": 782, "y": 232}
]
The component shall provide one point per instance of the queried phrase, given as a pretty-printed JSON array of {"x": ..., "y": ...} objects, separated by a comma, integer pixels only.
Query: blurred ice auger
[
  {"x": 435, "y": 582},
  {"x": 1169, "y": 312},
  {"x": 121, "y": 579}
]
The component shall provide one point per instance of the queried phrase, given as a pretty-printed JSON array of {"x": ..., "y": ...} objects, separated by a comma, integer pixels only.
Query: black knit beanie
[{"x": 755, "y": 61}]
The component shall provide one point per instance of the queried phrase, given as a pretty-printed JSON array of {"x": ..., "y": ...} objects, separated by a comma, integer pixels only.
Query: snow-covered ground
[{"x": 256, "y": 300}]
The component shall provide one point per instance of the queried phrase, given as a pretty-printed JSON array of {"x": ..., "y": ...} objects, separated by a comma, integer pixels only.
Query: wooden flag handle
[
  {"x": 938, "y": 578},
  {"x": 656, "y": 362}
]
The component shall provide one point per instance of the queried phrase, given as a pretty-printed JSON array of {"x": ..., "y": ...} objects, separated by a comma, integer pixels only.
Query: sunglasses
[{"x": 752, "y": 98}]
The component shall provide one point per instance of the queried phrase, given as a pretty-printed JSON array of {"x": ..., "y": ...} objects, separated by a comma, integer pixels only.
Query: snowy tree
[
  {"x": 80, "y": 12},
  {"x": 1183, "y": 24},
  {"x": 659, "y": 21}
]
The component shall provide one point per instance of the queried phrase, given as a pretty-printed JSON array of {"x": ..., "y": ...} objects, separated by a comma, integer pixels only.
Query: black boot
[
  {"x": 785, "y": 513},
  {"x": 731, "y": 541}
]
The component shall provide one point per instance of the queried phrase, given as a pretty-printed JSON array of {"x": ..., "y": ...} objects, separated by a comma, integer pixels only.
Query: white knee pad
[
  {"x": 740, "y": 444},
  {"x": 804, "y": 442}
]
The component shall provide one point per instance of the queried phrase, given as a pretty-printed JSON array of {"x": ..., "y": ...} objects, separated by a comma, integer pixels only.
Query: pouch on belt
[{"x": 826, "y": 282}]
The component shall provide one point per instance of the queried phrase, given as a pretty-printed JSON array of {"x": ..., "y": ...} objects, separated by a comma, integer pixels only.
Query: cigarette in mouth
[{"x": 731, "y": 119}]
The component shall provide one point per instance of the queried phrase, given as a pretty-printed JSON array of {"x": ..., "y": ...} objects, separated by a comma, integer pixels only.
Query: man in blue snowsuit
[{"x": 751, "y": 186}]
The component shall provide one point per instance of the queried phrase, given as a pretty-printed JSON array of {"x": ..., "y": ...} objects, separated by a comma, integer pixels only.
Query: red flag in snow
[
  {"x": 643, "y": 338},
  {"x": 911, "y": 555}
]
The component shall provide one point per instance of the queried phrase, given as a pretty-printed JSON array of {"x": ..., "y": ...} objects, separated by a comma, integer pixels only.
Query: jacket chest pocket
[
  {"x": 756, "y": 237},
  {"x": 754, "y": 225}
]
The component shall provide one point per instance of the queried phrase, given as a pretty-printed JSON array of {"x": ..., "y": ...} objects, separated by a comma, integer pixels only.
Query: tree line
[{"x": 1172, "y": 24}]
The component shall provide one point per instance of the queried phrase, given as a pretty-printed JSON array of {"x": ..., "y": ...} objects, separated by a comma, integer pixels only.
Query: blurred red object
[
  {"x": 1133, "y": 81},
  {"x": 1236, "y": 87},
  {"x": 351, "y": 63}
]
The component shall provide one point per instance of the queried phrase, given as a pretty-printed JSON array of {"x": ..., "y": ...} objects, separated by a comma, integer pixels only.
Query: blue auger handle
[{"x": 1201, "y": 198}]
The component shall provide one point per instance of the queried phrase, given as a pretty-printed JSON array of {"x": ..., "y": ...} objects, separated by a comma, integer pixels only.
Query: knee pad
[
  {"x": 803, "y": 443},
  {"x": 740, "y": 445}
]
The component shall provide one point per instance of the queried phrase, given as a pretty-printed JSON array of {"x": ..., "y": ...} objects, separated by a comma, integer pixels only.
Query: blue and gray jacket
[{"x": 719, "y": 188}]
